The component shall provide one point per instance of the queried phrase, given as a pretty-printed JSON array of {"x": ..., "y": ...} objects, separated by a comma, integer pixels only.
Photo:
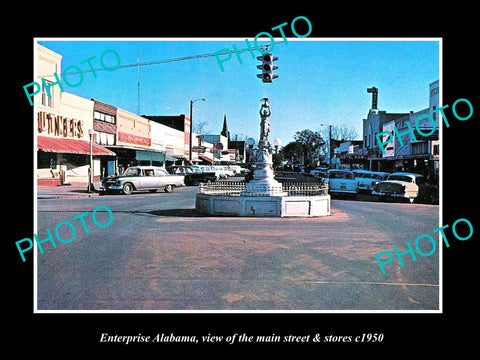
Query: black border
[{"x": 402, "y": 331}]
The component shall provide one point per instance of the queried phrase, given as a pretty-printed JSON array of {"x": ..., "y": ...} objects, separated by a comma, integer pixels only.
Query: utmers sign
[{"x": 59, "y": 125}]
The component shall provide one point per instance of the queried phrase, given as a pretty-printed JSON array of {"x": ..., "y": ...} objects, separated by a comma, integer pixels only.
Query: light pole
[
  {"x": 90, "y": 172},
  {"x": 191, "y": 127}
]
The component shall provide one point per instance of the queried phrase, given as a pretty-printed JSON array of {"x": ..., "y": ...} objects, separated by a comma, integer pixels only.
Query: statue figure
[{"x": 265, "y": 122}]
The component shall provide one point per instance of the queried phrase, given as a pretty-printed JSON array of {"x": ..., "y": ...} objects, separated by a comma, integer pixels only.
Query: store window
[
  {"x": 103, "y": 138},
  {"x": 104, "y": 117},
  {"x": 47, "y": 100}
]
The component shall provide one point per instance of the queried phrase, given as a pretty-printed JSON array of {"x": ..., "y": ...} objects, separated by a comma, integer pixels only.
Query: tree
[
  {"x": 311, "y": 142},
  {"x": 200, "y": 128},
  {"x": 292, "y": 152},
  {"x": 338, "y": 133}
]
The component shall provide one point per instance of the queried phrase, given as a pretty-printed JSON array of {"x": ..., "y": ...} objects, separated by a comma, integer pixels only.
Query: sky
[{"x": 321, "y": 81}]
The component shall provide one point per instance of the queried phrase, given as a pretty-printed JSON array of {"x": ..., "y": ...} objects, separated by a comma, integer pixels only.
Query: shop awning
[
  {"x": 70, "y": 146},
  {"x": 143, "y": 155},
  {"x": 170, "y": 158}
]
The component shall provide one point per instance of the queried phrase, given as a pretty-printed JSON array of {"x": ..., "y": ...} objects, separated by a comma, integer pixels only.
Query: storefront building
[
  {"x": 178, "y": 135},
  {"x": 415, "y": 153},
  {"x": 134, "y": 142},
  {"x": 165, "y": 139},
  {"x": 63, "y": 122},
  {"x": 105, "y": 133}
]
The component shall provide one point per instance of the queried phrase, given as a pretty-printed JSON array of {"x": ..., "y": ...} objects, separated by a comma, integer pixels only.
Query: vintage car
[
  {"x": 340, "y": 182},
  {"x": 192, "y": 176},
  {"x": 367, "y": 179},
  {"x": 149, "y": 178},
  {"x": 401, "y": 185},
  {"x": 318, "y": 171}
]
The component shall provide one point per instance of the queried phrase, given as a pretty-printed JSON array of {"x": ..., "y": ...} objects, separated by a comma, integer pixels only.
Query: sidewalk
[{"x": 72, "y": 190}]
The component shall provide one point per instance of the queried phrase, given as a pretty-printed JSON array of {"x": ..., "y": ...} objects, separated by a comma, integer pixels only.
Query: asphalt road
[{"x": 158, "y": 254}]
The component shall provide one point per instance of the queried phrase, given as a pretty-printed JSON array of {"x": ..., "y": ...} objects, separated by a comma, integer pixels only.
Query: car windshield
[
  {"x": 404, "y": 178},
  {"x": 132, "y": 172},
  {"x": 340, "y": 175}
]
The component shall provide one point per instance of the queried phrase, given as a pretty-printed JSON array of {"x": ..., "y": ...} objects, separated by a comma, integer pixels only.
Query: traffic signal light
[{"x": 267, "y": 67}]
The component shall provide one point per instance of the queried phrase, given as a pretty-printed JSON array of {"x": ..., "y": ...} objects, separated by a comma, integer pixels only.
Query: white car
[
  {"x": 340, "y": 182},
  {"x": 367, "y": 179},
  {"x": 400, "y": 185},
  {"x": 223, "y": 171},
  {"x": 135, "y": 178}
]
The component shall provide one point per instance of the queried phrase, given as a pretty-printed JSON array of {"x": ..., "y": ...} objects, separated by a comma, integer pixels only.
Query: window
[
  {"x": 47, "y": 100},
  {"x": 103, "y": 138},
  {"x": 160, "y": 172},
  {"x": 104, "y": 117},
  {"x": 404, "y": 178},
  {"x": 147, "y": 172}
]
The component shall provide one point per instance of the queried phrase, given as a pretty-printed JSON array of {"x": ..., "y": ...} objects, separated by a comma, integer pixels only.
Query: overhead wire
[{"x": 164, "y": 61}]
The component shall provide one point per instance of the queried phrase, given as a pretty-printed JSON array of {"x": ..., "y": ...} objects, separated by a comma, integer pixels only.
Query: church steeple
[{"x": 225, "y": 131}]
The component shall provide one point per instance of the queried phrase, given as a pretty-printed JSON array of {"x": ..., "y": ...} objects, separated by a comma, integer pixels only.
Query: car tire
[
  {"x": 168, "y": 188},
  {"x": 196, "y": 182},
  {"x": 127, "y": 188}
]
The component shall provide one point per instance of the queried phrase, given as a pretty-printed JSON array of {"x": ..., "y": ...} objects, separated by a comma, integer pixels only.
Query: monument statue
[
  {"x": 265, "y": 113},
  {"x": 263, "y": 181}
]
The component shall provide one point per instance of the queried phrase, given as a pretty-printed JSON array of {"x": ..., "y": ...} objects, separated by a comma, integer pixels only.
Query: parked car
[
  {"x": 223, "y": 171},
  {"x": 237, "y": 169},
  {"x": 192, "y": 176},
  {"x": 149, "y": 178},
  {"x": 367, "y": 179},
  {"x": 319, "y": 171},
  {"x": 298, "y": 168},
  {"x": 402, "y": 185},
  {"x": 340, "y": 182}
]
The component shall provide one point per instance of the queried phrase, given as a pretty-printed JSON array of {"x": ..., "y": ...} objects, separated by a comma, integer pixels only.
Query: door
[{"x": 110, "y": 167}]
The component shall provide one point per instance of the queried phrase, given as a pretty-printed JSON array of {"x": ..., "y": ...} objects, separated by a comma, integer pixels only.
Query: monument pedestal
[{"x": 263, "y": 182}]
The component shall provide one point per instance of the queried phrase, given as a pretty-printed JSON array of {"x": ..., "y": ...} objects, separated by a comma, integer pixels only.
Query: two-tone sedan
[
  {"x": 135, "y": 178},
  {"x": 340, "y": 182},
  {"x": 367, "y": 179},
  {"x": 401, "y": 185}
]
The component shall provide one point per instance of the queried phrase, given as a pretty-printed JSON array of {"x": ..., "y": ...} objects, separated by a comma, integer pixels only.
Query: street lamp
[
  {"x": 90, "y": 172},
  {"x": 250, "y": 143},
  {"x": 191, "y": 127},
  {"x": 277, "y": 142}
]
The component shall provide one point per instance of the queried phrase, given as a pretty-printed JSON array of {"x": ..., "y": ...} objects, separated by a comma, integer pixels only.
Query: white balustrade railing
[{"x": 237, "y": 188}]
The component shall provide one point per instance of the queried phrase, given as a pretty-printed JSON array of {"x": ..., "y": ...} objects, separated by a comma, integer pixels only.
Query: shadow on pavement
[{"x": 177, "y": 212}]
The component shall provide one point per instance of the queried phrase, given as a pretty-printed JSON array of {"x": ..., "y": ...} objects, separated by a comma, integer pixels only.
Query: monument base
[{"x": 263, "y": 206}]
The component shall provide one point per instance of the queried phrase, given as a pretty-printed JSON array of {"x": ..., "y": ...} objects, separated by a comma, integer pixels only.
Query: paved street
[{"x": 158, "y": 254}]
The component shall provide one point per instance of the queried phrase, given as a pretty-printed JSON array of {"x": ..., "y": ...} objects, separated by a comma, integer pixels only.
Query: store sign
[
  {"x": 198, "y": 149},
  {"x": 134, "y": 139},
  {"x": 59, "y": 125}
]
